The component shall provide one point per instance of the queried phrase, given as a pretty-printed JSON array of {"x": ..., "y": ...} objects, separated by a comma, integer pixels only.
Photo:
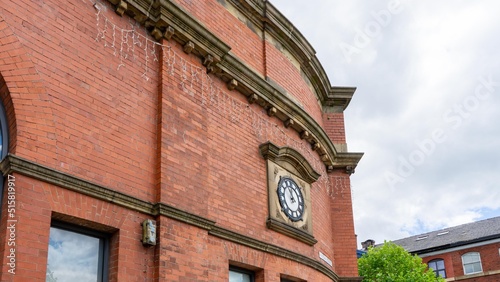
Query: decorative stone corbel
[
  {"x": 140, "y": 18},
  {"x": 188, "y": 47},
  {"x": 208, "y": 61},
  {"x": 169, "y": 32},
  {"x": 321, "y": 151},
  {"x": 272, "y": 111},
  {"x": 329, "y": 168},
  {"x": 325, "y": 158},
  {"x": 349, "y": 169},
  {"x": 253, "y": 98},
  {"x": 316, "y": 146},
  {"x": 231, "y": 85},
  {"x": 305, "y": 135},
  {"x": 149, "y": 23},
  {"x": 289, "y": 122},
  {"x": 156, "y": 33},
  {"x": 121, "y": 7}
]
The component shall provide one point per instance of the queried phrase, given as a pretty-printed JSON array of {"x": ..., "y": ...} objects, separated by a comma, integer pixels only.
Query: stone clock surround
[{"x": 286, "y": 162}]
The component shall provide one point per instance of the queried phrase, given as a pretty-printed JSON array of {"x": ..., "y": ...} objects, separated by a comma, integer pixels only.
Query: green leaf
[{"x": 392, "y": 263}]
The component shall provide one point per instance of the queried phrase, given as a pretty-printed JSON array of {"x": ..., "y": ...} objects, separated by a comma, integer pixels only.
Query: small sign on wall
[{"x": 324, "y": 258}]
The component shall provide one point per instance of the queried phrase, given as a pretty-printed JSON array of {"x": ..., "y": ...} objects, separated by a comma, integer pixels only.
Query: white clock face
[{"x": 290, "y": 198}]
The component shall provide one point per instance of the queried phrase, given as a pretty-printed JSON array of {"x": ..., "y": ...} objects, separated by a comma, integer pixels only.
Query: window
[
  {"x": 4, "y": 141},
  {"x": 437, "y": 266},
  {"x": 237, "y": 274},
  {"x": 287, "y": 278},
  {"x": 472, "y": 263},
  {"x": 76, "y": 254},
  {"x": 4, "y": 144}
]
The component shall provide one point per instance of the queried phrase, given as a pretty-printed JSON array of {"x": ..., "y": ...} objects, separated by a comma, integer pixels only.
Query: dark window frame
[
  {"x": 104, "y": 245},
  {"x": 4, "y": 126},
  {"x": 4, "y": 131},
  {"x": 436, "y": 269},
  {"x": 244, "y": 271}
]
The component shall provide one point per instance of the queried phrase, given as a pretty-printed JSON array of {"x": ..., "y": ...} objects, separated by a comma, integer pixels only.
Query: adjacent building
[
  {"x": 468, "y": 252},
  {"x": 147, "y": 140}
]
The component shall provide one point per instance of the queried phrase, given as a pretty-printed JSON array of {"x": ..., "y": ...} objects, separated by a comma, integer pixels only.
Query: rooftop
[{"x": 460, "y": 235}]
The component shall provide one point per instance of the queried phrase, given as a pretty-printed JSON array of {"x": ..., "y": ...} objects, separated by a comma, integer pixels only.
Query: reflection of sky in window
[
  {"x": 72, "y": 256},
  {"x": 238, "y": 277}
]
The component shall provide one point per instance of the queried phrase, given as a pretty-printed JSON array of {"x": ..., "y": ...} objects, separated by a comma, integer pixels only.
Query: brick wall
[
  {"x": 490, "y": 261},
  {"x": 74, "y": 110},
  {"x": 334, "y": 127},
  {"x": 281, "y": 70},
  {"x": 91, "y": 94}
]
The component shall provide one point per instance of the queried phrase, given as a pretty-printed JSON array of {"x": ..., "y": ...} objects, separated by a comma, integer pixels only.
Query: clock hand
[{"x": 291, "y": 195}]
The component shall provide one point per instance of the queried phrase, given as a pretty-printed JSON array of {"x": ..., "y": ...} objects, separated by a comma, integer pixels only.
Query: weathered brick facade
[{"x": 123, "y": 111}]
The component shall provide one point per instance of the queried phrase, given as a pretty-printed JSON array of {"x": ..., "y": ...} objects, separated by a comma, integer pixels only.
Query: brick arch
[{"x": 25, "y": 98}]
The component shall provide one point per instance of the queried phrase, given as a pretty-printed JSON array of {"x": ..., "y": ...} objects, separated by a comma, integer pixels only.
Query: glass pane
[
  {"x": 442, "y": 273},
  {"x": 432, "y": 265},
  {"x": 468, "y": 268},
  {"x": 477, "y": 267},
  {"x": 440, "y": 264},
  {"x": 72, "y": 257},
  {"x": 468, "y": 258},
  {"x": 238, "y": 277}
]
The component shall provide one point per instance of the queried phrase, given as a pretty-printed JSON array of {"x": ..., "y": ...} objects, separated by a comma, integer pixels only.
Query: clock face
[{"x": 290, "y": 198}]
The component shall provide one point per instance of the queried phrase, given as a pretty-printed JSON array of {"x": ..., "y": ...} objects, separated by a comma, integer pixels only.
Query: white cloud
[{"x": 427, "y": 61}]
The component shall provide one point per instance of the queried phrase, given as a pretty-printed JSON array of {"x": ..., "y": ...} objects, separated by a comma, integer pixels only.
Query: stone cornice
[
  {"x": 291, "y": 231},
  {"x": 338, "y": 99},
  {"x": 180, "y": 215},
  {"x": 289, "y": 36},
  {"x": 15, "y": 164},
  {"x": 165, "y": 19},
  {"x": 273, "y": 249},
  {"x": 347, "y": 161}
]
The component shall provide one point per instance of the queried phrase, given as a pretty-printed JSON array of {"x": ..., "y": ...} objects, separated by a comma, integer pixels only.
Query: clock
[
  {"x": 290, "y": 198},
  {"x": 289, "y": 180}
]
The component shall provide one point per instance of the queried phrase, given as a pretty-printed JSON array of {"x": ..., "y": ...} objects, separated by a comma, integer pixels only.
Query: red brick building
[
  {"x": 214, "y": 120},
  {"x": 468, "y": 252}
]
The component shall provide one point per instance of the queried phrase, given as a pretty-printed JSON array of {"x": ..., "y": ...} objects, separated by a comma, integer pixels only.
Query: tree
[{"x": 392, "y": 263}]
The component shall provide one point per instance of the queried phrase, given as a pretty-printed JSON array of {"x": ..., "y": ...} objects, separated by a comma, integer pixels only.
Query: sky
[{"x": 425, "y": 112}]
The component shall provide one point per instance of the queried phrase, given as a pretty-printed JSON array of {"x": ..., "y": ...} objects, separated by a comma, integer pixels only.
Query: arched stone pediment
[{"x": 289, "y": 159}]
